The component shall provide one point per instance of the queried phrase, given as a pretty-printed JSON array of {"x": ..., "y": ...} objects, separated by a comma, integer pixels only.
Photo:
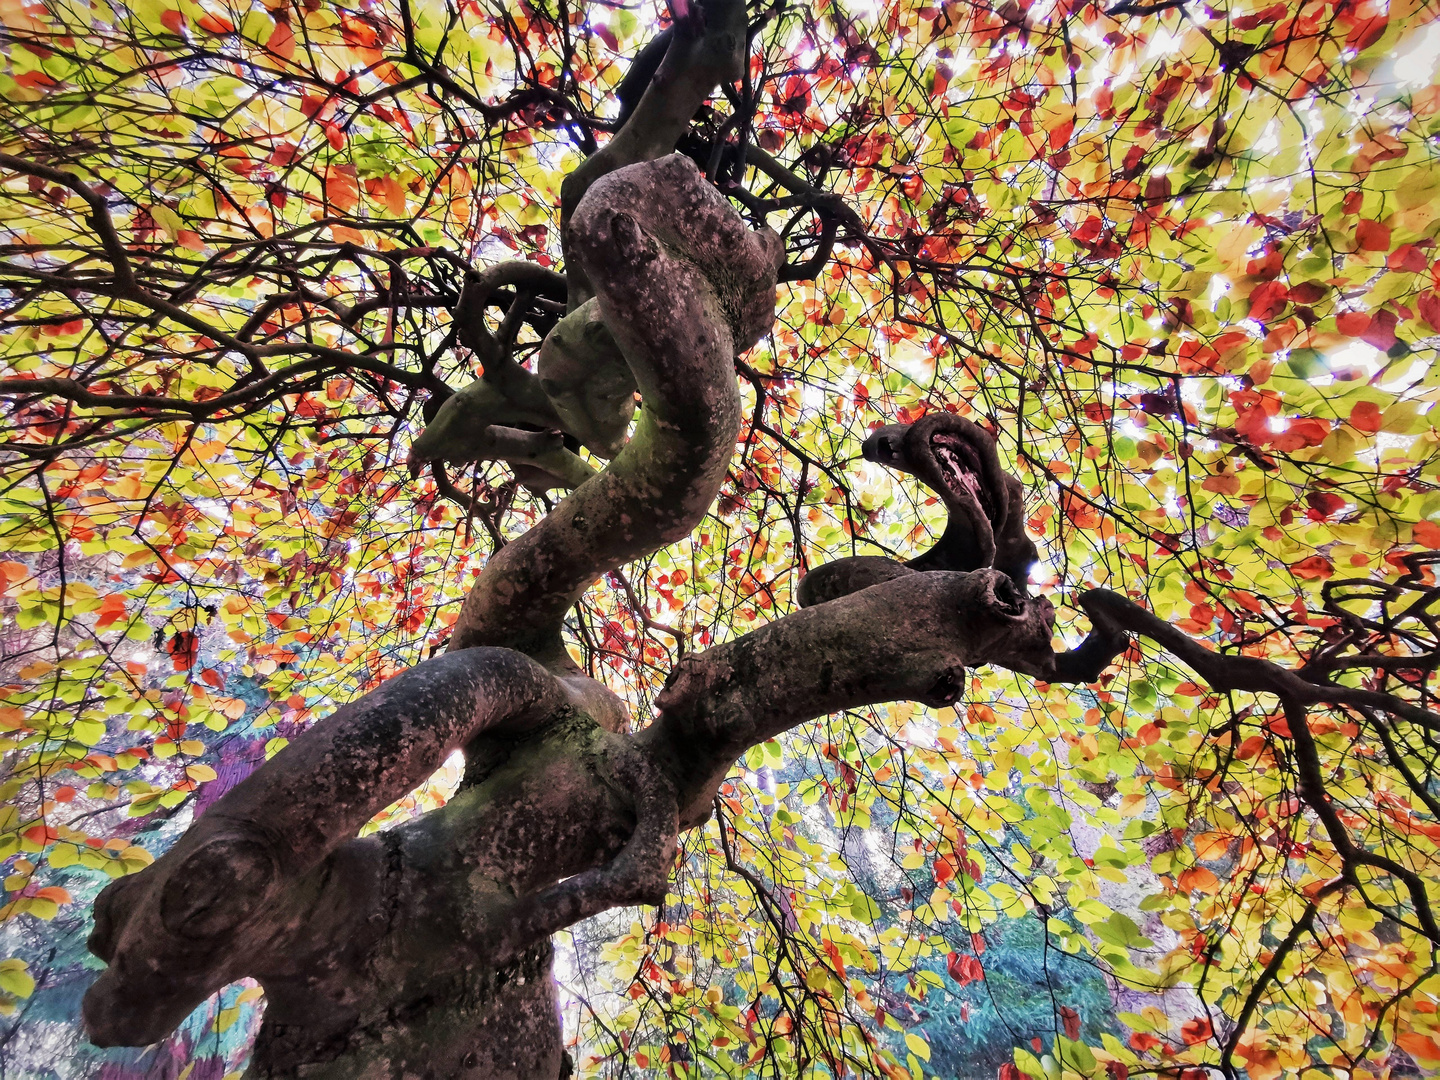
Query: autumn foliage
[{"x": 1181, "y": 260}]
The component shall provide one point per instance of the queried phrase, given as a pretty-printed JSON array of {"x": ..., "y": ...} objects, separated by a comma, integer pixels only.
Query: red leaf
[
  {"x": 281, "y": 41},
  {"x": 1352, "y": 323},
  {"x": 1267, "y": 301},
  {"x": 1325, "y": 503},
  {"x": 1365, "y": 417},
  {"x": 1250, "y": 748},
  {"x": 112, "y": 609},
  {"x": 182, "y": 647},
  {"x": 1429, "y": 305},
  {"x": 605, "y": 34},
  {"x": 1308, "y": 292},
  {"x": 1408, "y": 257},
  {"x": 1381, "y": 331},
  {"x": 1371, "y": 236},
  {"x": 1071, "y": 1021},
  {"x": 1306, "y": 431},
  {"x": 1195, "y": 1031}
]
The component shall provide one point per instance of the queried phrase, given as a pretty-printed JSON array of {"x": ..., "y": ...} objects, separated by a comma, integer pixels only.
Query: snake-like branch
[
  {"x": 910, "y": 638},
  {"x": 638, "y": 874},
  {"x": 582, "y": 387},
  {"x": 506, "y": 414},
  {"x": 684, "y": 287},
  {"x": 956, "y": 459},
  {"x": 705, "y": 49}
]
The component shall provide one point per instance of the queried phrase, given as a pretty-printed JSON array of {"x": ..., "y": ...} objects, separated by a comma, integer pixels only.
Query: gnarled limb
[
  {"x": 488, "y": 419},
  {"x": 685, "y": 286},
  {"x": 418, "y": 945},
  {"x": 907, "y": 639},
  {"x": 636, "y": 875},
  {"x": 456, "y": 436},
  {"x": 586, "y": 379},
  {"x": 168, "y": 932},
  {"x": 475, "y": 425},
  {"x": 479, "y": 292},
  {"x": 704, "y": 50},
  {"x": 956, "y": 459}
]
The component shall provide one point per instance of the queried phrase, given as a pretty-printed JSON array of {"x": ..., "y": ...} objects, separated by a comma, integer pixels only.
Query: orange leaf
[
  {"x": 1427, "y": 533},
  {"x": 1419, "y": 1046},
  {"x": 282, "y": 41},
  {"x": 342, "y": 191},
  {"x": 215, "y": 24},
  {"x": 1315, "y": 568},
  {"x": 112, "y": 609}
]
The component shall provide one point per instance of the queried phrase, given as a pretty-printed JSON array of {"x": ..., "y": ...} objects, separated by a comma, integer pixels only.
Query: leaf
[
  {"x": 1365, "y": 417},
  {"x": 917, "y": 1046},
  {"x": 15, "y": 978},
  {"x": 1119, "y": 929},
  {"x": 1372, "y": 236},
  {"x": 281, "y": 41},
  {"x": 1423, "y": 1048}
]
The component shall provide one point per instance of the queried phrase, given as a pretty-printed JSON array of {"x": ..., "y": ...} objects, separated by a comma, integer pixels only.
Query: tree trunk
[{"x": 501, "y": 1023}]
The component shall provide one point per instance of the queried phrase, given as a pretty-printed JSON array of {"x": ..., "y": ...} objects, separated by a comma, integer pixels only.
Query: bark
[
  {"x": 703, "y": 51},
  {"x": 170, "y": 935},
  {"x": 956, "y": 459},
  {"x": 685, "y": 287}
]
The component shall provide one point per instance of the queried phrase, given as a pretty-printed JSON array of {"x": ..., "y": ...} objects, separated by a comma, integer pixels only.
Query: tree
[{"x": 1150, "y": 287}]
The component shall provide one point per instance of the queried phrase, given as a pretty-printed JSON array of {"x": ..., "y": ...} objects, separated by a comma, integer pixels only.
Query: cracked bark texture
[{"x": 424, "y": 951}]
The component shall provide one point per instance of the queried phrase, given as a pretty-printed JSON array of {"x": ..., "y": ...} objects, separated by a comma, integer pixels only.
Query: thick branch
[
  {"x": 703, "y": 53},
  {"x": 908, "y": 639},
  {"x": 985, "y": 507},
  {"x": 637, "y": 875},
  {"x": 166, "y": 932},
  {"x": 683, "y": 287}
]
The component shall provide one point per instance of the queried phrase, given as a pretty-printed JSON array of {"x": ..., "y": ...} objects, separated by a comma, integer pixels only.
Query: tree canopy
[{"x": 1177, "y": 260}]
